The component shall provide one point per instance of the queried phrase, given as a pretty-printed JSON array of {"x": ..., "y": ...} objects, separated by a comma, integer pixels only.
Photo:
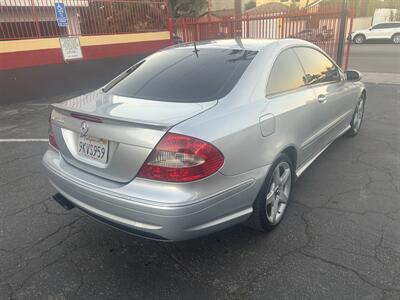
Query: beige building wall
[
  {"x": 361, "y": 23},
  {"x": 300, "y": 3}
]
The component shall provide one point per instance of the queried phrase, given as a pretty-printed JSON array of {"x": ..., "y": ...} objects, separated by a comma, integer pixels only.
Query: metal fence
[
  {"x": 26, "y": 19},
  {"x": 319, "y": 25}
]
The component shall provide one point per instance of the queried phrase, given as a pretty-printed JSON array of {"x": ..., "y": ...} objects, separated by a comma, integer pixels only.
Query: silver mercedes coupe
[{"x": 201, "y": 136}]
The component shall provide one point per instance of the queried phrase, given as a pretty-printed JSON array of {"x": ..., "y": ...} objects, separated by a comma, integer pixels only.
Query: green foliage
[
  {"x": 375, "y": 4},
  {"x": 187, "y": 8},
  {"x": 395, "y": 16},
  {"x": 294, "y": 5},
  {"x": 249, "y": 5}
]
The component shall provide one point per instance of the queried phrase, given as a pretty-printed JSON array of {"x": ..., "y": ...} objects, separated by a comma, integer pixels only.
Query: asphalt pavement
[
  {"x": 376, "y": 58},
  {"x": 340, "y": 238}
]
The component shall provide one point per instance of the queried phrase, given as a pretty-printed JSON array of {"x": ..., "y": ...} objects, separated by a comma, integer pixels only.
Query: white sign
[{"x": 71, "y": 48}]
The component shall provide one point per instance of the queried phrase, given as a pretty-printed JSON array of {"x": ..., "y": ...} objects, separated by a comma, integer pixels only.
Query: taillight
[
  {"x": 181, "y": 158},
  {"x": 52, "y": 138}
]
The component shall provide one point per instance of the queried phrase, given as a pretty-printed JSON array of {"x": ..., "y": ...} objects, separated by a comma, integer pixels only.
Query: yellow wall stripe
[
  {"x": 26, "y": 45},
  {"x": 95, "y": 40}
]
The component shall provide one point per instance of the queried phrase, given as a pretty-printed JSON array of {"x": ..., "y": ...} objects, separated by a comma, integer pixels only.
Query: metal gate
[{"x": 325, "y": 26}]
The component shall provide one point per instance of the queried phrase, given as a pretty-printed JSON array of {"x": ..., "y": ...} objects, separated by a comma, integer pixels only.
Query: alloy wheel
[
  {"x": 279, "y": 192},
  {"x": 358, "y": 115},
  {"x": 359, "y": 39}
]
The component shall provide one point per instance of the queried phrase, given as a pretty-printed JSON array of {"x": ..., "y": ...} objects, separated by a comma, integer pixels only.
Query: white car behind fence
[{"x": 388, "y": 30}]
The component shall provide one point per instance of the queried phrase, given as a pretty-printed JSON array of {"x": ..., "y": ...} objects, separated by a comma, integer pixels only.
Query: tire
[
  {"x": 396, "y": 38},
  {"x": 359, "y": 39},
  {"x": 265, "y": 216},
  {"x": 357, "y": 119}
]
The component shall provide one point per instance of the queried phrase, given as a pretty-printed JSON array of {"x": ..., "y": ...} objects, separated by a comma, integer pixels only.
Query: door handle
[{"x": 322, "y": 98}]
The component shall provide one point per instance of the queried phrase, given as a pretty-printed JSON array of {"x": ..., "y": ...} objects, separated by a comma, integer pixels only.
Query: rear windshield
[{"x": 181, "y": 75}]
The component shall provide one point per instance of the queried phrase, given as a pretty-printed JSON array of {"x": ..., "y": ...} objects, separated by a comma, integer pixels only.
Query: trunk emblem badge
[{"x": 84, "y": 128}]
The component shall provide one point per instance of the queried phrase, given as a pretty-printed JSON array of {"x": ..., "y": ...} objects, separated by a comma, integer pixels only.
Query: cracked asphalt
[{"x": 340, "y": 238}]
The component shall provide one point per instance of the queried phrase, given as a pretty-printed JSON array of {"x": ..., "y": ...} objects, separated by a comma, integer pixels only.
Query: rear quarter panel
[
  {"x": 235, "y": 131},
  {"x": 233, "y": 125}
]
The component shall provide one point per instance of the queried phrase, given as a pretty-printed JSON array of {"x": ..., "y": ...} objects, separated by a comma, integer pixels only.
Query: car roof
[
  {"x": 388, "y": 22},
  {"x": 239, "y": 44}
]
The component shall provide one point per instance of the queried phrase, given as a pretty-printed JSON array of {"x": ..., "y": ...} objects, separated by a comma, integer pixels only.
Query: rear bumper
[{"x": 162, "y": 211}]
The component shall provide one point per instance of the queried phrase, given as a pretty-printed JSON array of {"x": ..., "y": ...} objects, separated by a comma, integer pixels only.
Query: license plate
[{"x": 95, "y": 149}]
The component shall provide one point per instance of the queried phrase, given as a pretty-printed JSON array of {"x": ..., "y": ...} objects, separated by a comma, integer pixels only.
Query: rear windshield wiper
[{"x": 121, "y": 76}]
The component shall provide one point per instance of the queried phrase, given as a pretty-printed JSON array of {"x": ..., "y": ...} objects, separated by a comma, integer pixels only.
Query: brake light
[
  {"x": 52, "y": 138},
  {"x": 181, "y": 158}
]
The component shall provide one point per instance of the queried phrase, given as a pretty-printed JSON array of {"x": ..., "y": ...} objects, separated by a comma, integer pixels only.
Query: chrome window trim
[{"x": 299, "y": 89}]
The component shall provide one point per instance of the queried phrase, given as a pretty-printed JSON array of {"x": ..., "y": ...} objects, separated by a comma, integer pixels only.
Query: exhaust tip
[{"x": 64, "y": 202}]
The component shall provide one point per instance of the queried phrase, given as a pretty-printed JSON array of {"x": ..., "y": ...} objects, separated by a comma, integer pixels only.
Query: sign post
[{"x": 61, "y": 14}]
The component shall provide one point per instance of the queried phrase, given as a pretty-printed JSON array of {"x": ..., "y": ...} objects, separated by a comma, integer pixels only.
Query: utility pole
[
  {"x": 342, "y": 32},
  {"x": 238, "y": 18},
  {"x": 209, "y": 10}
]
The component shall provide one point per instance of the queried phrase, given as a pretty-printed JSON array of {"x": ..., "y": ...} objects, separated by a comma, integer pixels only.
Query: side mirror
[{"x": 353, "y": 75}]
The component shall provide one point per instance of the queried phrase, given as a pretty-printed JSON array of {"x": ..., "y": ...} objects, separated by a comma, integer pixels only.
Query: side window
[
  {"x": 393, "y": 25},
  {"x": 318, "y": 68},
  {"x": 379, "y": 26},
  {"x": 286, "y": 74},
  {"x": 387, "y": 25}
]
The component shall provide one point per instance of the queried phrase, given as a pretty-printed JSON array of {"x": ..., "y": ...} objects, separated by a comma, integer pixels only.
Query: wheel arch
[
  {"x": 257, "y": 218},
  {"x": 364, "y": 93},
  {"x": 394, "y": 34},
  {"x": 291, "y": 151},
  {"x": 365, "y": 37}
]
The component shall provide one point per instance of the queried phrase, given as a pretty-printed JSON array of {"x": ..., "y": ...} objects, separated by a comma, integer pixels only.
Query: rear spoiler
[{"x": 76, "y": 113}]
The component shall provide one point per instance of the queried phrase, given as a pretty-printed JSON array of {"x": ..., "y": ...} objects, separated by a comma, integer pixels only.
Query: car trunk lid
[{"x": 128, "y": 128}]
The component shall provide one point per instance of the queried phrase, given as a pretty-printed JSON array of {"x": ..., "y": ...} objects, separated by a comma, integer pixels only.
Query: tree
[
  {"x": 294, "y": 5},
  {"x": 249, "y": 5},
  {"x": 395, "y": 16},
  {"x": 187, "y": 8}
]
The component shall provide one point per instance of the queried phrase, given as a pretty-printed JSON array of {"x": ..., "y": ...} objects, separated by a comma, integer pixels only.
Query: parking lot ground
[
  {"x": 340, "y": 238},
  {"x": 375, "y": 57}
]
